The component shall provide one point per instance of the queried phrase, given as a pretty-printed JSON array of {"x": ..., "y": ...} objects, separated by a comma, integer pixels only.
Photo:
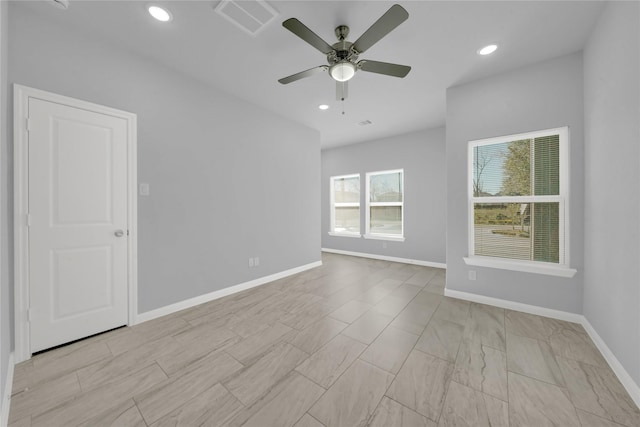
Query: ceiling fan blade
[
  {"x": 393, "y": 17},
  {"x": 303, "y": 74},
  {"x": 302, "y": 31},
  {"x": 385, "y": 68},
  {"x": 342, "y": 90}
]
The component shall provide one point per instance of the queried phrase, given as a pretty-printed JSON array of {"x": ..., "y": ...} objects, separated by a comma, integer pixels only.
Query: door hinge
[
  {"x": 127, "y": 232},
  {"x": 28, "y": 124},
  {"x": 29, "y": 315},
  {"x": 28, "y": 220}
]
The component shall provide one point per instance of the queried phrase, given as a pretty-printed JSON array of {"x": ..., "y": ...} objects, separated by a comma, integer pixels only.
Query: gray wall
[
  {"x": 6, "y": 260},
  {"x": 542, "y": 96},
  {"x": 228, "y": 180},
  {"x": 422, "y": 156},
  {"x": 612, "y": 175}
]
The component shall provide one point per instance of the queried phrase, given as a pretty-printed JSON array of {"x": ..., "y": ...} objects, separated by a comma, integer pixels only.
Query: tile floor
[{"x": 352, "y": 343}]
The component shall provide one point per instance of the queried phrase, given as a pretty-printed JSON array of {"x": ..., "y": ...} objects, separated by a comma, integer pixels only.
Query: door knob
[{"x": 119, "y": 233}]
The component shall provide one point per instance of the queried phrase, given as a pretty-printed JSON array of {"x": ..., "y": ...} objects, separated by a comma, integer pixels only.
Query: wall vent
[
  {"x": 249, "y": 15},
  {"x": 365, "y": 123}
]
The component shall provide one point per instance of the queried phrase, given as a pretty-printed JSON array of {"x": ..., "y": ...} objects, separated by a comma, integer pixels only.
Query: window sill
[
  {"x": 527, "y": 267},
  {"x": 383, "y": 237},
  {"x": 352, "y": 235}
]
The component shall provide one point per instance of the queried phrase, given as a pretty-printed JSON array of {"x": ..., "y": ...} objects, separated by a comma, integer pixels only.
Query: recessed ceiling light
[
  {"x": 159, "y": 13},
  {"x": 323, "y": 107},
  {"x": 488, "y": 50}
]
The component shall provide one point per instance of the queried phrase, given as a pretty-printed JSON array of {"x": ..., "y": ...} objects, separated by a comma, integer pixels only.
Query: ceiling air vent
[
  {"x": 365, "y": 123},
  {"x": 250, "y": 15}
]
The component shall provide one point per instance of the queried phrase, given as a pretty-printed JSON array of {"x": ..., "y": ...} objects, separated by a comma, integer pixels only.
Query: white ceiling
[{"x": 439, "y": 41}]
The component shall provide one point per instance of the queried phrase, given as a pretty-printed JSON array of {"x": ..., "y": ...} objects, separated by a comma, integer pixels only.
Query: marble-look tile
[
  {"x": 344, "y": 404},
  {"x": 147, "y": 332},
  {"x": 536, "y": 403},
  {"x": 422, "y": 277},
  {"x": 525, "y": 325},
  {"x": 590, "y": 420},
  {"x": 482, "y": 368},
  {"x": 367, "y": 327},
  {"x": 256, "y": 380},
  {"x": 24, "y": 422},
  {"x": 465, "y": 406},
  {"x": 414, "y": 317},
  {"x": 307, "y": 318},
  {"x": 284, "y": 405},
  {"x": 328, "y": 363},
  {"x": 215, "y": 406},
  {"x": 301, "y": 302},
  {"x": 185, "y": 352},
  {"x": 598, "y": 391},
  {"x": 379, "y": 291},
  {"x": 308, "y": 421},
  {"x": 441, "y": 338},
  {"x": 256, "y": 324},
  {"x": 406, "y": 291},
  {"x": 97, "y": 401},
  {"x": 350, "y": 311},
  {"x": 391, "y": 413},
  {"x": 436, "y": 285},
  {"x": 126, "y": 414},
  {"x": 46, "y": 367},
  {"x": 251, "y": 348},
  {"x": 107, "y": 369},
  {"x": 566, "y": 342},
  {"x": 533, "y": 358},
  {"x": 422, "y": 383},
  {"x": 555, "y": 325},
  {"x": 487, "y": 323},
  {"x": 390, "y": 306},
  {"x": 43, "y": 397},
  {"x": 390, "y": 349},
  {"x": 315, "y": 336},
  {"x": 172, "y": 393},
  {"x": 427, "y": 299},
  {"x": 453, "y": 310}
]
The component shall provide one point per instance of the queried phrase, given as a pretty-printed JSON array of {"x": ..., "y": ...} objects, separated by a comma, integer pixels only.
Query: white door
[{"x": 77, "y": 223}]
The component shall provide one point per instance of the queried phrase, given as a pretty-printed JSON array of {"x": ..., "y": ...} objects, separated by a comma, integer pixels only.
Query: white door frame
[{"x": 21, "y": 95}]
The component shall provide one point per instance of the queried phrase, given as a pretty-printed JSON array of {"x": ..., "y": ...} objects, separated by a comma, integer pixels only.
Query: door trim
[{"x": 21, "y": 95}]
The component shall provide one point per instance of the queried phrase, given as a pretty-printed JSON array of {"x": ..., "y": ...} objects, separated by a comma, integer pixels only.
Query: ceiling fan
[{"x": 343, "y": 55}]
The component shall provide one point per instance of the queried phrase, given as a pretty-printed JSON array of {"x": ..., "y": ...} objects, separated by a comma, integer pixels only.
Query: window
[
  {"x": 518, "y": 209},
  {"x": 385, "y": 198},
  {"x": 345, "y": 205}
]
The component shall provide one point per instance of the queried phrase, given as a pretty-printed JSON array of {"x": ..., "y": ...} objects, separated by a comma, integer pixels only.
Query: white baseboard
[
  {"x": 517, "y": 306},
  {"x": 629, "y": 384},
  {"x": 386, "y": 258},
  {"x": 6, "y": 396},
  {"x": 163, "y": 311}
]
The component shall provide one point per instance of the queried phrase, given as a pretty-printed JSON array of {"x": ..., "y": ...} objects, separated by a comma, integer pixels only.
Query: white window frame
[
  {"x": 375, "y": 236},
  {"x": 334, "y": 205},
  {"x": 562, "y": 268}
]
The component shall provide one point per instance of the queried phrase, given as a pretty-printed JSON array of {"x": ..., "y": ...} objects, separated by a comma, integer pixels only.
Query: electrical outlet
[
  {"x": 256, "y": 261},
  {"x": 250, "y": 262},
  {"x": 472, "y": 275}
]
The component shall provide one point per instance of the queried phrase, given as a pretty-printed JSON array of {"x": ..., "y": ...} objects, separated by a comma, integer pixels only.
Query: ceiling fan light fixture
[
  {"x": 342, "y": 71},
  {"x": 488, "y": 50},
  {"x": 159, "y": 13}
]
